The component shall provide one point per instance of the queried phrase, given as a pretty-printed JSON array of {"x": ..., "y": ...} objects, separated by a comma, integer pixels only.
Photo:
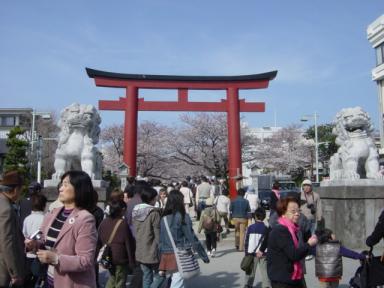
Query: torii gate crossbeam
[{"x": 232, "y": 105}]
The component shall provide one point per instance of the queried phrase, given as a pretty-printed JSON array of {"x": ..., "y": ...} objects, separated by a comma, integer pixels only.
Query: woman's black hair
[
  {"x": 85, "y": 195},
  {"x": 240, "y": 192},
  {"x": 324, "y": 235},
  {"x": 184, "y": 184},
  {"x": 276, "y": 185},
  {"x": 148, "y": 194},
  {"x": 39, "y": 202},
  {"x": 116, "y": 208},
  {"x": 175, "y": 203},
  {"x": 225, "y": 192}
]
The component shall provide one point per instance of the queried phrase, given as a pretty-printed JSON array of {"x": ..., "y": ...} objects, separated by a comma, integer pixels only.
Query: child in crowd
[
  {"x": 146, "y": 220},
  {"x": 255, "y": 244},
  {"x": 162, "y": 198},
  {"x": 209, "y": 221},
  {"x": 328, "y": 262},
  {"x": 32, "y": 223}
]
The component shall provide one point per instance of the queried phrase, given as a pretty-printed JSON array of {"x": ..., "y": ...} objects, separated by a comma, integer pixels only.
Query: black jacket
[
  {"x": 378, "y": 233},
  {"x": 281, "y": 255}
]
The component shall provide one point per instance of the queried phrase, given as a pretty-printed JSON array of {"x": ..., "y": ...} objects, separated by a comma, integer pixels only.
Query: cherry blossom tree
[{"x": 285, "y": 152}]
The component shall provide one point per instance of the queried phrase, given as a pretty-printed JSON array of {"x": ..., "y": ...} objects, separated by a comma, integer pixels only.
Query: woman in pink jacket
[{"x": 69, "y": 235}]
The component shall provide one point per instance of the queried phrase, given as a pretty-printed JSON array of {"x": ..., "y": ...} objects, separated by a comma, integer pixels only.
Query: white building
[
  {"x": 375, "y": 35},
  {"x": 260, "y": 133}
]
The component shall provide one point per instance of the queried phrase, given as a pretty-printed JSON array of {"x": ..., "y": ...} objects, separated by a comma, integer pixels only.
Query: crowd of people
[{"x": 144, "y": 229}]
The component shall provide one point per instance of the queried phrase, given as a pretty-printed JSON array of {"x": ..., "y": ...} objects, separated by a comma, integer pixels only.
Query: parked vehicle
[
  {"x": 287, "y": 185},
  {"x": 290, "y": 193}
]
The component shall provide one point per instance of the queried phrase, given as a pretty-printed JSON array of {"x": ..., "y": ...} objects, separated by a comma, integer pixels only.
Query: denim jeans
[
  {"x": 177, "y": 281},
  {"x": 151, "y": 277},
  {"x": 313, "y": 226}
]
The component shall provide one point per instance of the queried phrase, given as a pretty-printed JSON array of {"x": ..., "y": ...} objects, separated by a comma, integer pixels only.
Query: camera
[
  {"x": 36, "y": 236},
  {"x": 312, "y": 208}
]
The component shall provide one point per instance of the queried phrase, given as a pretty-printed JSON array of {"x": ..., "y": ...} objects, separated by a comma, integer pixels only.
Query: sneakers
[
  {"x": 213, "y": 254},
  {"x": 209, "y": 253}
]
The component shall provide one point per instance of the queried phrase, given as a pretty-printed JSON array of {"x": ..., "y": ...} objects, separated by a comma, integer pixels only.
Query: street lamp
[
  {"x": 304, "y": 119},
  {"x": 46, "y": 116}
]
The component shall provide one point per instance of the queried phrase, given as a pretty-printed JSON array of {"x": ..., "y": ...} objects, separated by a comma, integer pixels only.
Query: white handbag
[{"x": 185, "y": 258}]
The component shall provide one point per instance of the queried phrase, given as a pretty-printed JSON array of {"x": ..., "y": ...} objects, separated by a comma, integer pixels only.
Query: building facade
[
  {"x": 10, "y": 118},
  {"x": 375, "y": 35}
]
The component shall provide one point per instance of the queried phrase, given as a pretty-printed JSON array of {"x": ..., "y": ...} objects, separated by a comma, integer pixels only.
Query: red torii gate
[{"x": 131, "y": 104}]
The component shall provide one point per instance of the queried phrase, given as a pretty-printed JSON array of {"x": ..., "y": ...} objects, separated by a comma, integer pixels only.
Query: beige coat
[{"x": 312, "y": 198}]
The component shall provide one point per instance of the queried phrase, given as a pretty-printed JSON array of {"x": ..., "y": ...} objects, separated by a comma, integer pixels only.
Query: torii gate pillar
[
  {"x": 234, "y": 145},
  {"x": 130, "y": 129},
  {"x": 232, "y": 105}
]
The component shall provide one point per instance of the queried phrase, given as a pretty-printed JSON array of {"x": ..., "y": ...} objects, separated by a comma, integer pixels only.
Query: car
[
  {"x": 265, "y": 198},
  {"x": 287, "y": 185},
  {"x": 290, "y": 193}
]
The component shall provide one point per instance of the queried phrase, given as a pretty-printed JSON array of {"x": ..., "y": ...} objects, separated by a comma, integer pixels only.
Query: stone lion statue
[
  {"x": 79, "y": 134},
  {"x": 357, "y": 156}
]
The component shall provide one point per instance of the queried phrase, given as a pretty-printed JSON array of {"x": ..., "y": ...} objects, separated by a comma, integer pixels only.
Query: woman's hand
[
  {"x": 312, "y": 241},
  {"x": 31, "y": 245},
  {"x": 48, "y": 257}
]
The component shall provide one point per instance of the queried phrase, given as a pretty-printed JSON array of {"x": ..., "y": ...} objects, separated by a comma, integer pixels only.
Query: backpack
[{"x": 209, "y": 222}]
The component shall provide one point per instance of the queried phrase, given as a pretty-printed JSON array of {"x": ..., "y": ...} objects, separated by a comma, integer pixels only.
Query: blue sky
[{"x": 319, "y": 48}]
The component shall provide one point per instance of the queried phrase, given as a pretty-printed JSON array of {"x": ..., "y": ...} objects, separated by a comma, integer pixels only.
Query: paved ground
[{"x": 224, "y": 270}]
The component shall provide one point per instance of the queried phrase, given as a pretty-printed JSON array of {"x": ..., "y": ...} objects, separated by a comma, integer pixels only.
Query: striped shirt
[{"x": 53, "y": 233}]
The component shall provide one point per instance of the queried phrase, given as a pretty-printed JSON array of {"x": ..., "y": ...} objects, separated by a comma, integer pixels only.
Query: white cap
[{"x": 306, "y": 182}]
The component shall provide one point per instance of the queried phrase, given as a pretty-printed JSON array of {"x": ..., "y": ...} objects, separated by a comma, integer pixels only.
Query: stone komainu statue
[
  {"x": 357, "y": 155},
  {"x": 79, "y": 134}
]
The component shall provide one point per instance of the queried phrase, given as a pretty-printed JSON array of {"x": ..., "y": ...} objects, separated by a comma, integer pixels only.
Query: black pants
[{"x": 210, "y": 240}]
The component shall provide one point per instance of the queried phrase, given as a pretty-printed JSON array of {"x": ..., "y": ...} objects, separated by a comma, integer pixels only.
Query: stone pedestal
[
  {"x": 50, "y": 190},
  {"x": 351, "y": 208}
]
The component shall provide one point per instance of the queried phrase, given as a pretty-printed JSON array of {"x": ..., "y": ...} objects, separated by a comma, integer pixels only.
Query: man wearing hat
[
  {"x": 12, "y": 258},
  {"x": 310, "y": 204}
]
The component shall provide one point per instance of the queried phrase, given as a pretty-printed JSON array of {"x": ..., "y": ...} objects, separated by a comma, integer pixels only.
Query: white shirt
[
  {"x": 222, "y": 204},
  {"x": 187, "y": 194},
  {"x": 252, "y": 199},
  {"x": 31, "y": 224}
]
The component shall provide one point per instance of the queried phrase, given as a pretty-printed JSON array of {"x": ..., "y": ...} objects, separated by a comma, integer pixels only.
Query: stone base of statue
[
  {"x": 351, "y": 208},
  {"x": 50, "y": 189}
]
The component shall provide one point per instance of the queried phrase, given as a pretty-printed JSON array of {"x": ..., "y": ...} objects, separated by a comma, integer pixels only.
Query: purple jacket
[{"x": 76, "y": 246}]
